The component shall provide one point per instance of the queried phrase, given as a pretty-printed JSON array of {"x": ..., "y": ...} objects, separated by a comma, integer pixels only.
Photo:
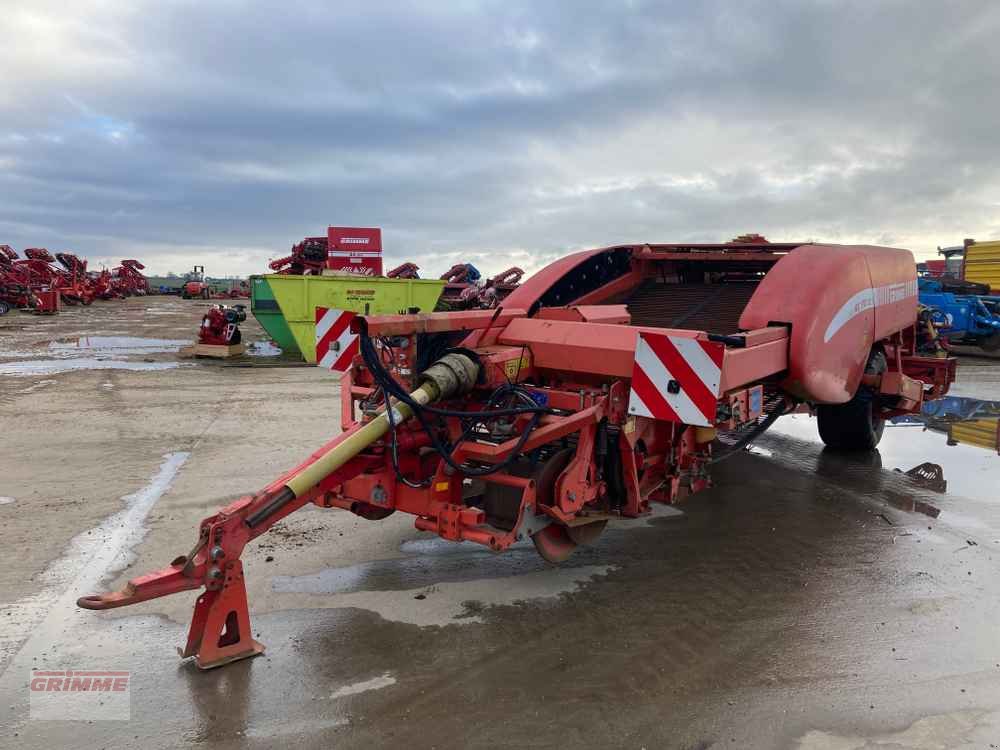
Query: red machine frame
[{"x": 582, "y": 457}]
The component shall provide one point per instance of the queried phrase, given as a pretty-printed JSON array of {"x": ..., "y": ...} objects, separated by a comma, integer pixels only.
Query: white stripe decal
[
  {"x": 344, "y": 342},
  {"x": 326, "y": 323},
  {"x": 637, "y": 406},
  {"x": 699, "y": 361},
  {"x": 867, "y": 299}
]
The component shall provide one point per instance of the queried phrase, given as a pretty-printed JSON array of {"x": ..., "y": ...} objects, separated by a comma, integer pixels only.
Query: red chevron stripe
[
  {"x": 716, "y": 351},
  {"x": 343, "y": 362},
  {"x": 651, "y": 396},
  {"x": 703, "y": 399},
  {"x": 323, "y": 345}
]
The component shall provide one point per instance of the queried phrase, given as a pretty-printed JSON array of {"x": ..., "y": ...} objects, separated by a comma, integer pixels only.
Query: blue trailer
[{"x": 970, "y": 319}]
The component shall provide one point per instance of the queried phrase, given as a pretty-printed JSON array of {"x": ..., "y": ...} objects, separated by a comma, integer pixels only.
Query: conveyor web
[{"x": 714, "y": 308}]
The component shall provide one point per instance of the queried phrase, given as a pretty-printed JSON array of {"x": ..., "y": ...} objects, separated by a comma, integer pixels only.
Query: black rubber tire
[
  {"x": 852, "y": 426},
  {"x": 856, "y": 425},
  {"x": 4, "y": 308},
  {"x": 990, "y": 343}
]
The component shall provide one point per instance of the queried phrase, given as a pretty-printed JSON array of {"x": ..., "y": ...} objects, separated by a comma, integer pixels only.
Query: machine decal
[
  {"x": 335, "y": 344},
  {"x": 676, "y": 379},
  {"x": 866, "y": 299}
]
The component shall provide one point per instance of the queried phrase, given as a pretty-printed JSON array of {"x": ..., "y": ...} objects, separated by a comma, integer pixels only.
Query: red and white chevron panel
[
  {"x": 335, "y": 344},
  {"x": 676, "y": 379}
]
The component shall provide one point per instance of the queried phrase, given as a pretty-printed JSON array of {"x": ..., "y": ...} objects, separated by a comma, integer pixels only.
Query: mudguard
[{"x": 838, "y": 300}]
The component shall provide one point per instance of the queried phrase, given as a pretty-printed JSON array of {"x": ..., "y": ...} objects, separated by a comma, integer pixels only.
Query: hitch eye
[{"x": 673, "y": 387}]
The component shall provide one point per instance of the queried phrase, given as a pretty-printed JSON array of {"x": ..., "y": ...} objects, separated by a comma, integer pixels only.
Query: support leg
[{"x": 220, "y": 629}]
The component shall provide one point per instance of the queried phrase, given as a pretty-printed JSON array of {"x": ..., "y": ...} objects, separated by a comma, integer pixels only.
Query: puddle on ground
[
  {"x": 92, "y": 557},
  {"x": 53, "y": 366},
  {"x": 429, "y": 561},
  {"x": 37, "y": 386},
  {"x": 6, "y": 500},
  {"x": 118, "y": 345},
  {"x": 375, "y": 683},
  {"x": 263, "y": 349},
  {"x": 90, "y": 353},
  {"x": 446, "y": 603},
  {"x": 928, "y": 462},
  {"x": 959, "y": 729}
]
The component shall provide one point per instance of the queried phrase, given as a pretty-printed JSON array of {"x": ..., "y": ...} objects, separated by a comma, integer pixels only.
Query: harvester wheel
[
  {"x": 990, "y": 343},
  {"x": 856, "y": 425},
  {"x": 586, "y": 534},
  {"x": 555, "y": 543},
  {"x": 850, "y": 427},
  {"x": 4, "y": 308}
]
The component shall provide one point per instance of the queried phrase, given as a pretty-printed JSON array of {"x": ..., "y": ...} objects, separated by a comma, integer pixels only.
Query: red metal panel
[
  {"x": 894, "y": 278},
  {"x": 743, "y": 366},
  {"x": 465, "y": 320},
  {"x": 531, "y": 290},
  {"x": 617, "y": 314},
  {"x": 355, "y": 249},
  {"x": 824, "y": 292},
  {"x": 587, "y": 348}
]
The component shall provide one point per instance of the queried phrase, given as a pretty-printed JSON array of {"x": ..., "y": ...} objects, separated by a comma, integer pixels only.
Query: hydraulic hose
[{"x": 453, "y": 374}]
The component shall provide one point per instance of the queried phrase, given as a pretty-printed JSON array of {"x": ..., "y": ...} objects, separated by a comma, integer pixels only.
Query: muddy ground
[{"x": 809, "y": 600}]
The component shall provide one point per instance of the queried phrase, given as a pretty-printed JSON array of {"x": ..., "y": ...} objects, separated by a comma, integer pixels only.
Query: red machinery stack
[
  {"x": 37, "y": 283},
  {"x": 307, "y": 258},
  {"x": 464, "y": 288},
  {"x": 355, "y": 250},
  {"x": 404, "y": 271},
  {"x": 131, "y": 281}
]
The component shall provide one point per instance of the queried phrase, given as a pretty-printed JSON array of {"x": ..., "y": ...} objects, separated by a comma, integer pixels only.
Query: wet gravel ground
[{"x": 809, "y": 600}]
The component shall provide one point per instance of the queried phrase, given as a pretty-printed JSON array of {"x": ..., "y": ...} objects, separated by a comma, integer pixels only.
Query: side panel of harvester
[{"x": 838, "y": 301}]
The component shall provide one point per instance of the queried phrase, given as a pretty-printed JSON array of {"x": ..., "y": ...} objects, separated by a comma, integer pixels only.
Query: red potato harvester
[{"x": 610, "y": 380}]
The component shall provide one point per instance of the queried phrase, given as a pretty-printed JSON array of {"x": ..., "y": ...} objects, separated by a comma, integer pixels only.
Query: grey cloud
[{"x": 504, "y": 132}]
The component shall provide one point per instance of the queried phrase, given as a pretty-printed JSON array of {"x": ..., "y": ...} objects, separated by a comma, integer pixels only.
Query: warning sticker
[{"x": 514, "y": 366}]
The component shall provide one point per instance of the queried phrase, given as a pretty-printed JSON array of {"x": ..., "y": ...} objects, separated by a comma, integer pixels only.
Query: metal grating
[{"x": 715, "y": 308}]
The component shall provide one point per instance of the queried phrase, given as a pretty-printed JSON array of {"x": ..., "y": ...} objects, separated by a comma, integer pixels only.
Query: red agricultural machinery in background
[
  {"x": 307, "y": 258},
  {"x": 465, "y": 289},
  {"x": 195, "y": 285},
  {"x": 356, "y": 250},
  {"x": 42, "y": 282},
  {"x": 610, "y": 380},
  {"x": 220, "y": 325},
  {"x": 404, "y": 271},
  {"x": 130, "y": 279}
]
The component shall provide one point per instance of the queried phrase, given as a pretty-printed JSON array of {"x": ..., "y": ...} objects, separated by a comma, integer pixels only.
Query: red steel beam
[
  {"x": 442, "y": 322},
  {"x": 609, "y": 350}
]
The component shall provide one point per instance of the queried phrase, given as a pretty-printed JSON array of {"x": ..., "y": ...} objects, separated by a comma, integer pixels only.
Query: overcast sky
[{"x": 498, "y": 132}]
